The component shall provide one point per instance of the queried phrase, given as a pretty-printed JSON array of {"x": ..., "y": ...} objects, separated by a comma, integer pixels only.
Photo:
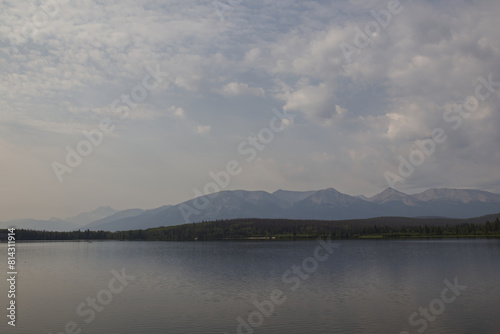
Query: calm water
[{"x": 211, "y": 287}]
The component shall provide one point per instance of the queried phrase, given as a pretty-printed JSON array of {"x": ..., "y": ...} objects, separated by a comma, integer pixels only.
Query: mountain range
[{"x": 325, "y": 204}]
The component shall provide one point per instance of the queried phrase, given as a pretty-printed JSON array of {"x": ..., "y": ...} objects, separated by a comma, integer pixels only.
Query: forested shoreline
[{"x": 284, "y": 229}]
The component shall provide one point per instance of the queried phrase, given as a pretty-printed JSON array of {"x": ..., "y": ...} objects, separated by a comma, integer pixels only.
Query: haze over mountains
[
  {"x": 57, "y": 224},
  {"x": 326, "y": 204}
]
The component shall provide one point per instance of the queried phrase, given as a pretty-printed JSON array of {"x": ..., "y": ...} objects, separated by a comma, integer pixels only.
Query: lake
[{"x": 348, "y": 286}]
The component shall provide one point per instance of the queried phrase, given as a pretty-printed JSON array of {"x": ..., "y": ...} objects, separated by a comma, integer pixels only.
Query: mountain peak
[
  {"x": 393, "y": 195},
  {"x": 457, "y": 195},
  {"x": 391, "y": 190}
]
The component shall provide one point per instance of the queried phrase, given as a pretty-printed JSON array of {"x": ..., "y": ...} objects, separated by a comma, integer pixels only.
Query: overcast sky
[{"x": 177, "y": 87}]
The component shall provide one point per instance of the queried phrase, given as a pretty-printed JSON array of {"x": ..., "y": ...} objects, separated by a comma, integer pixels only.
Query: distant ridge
[
  {"x": 63, "y": 225},
  {"x": 325, "y": 204},
  {"x": 53, "y": 224},
  {"x": 89, "y": 217}
]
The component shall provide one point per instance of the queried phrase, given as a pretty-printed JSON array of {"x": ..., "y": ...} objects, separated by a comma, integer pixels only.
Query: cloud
[
  {"x": 354, "y": 119},
  {"x": 203, "y": 129},
  {"x": 237, "y": 89},
  {"x": 317, "y": 102},
  {"x": 322, "y": 157},
  {"x": 177, "y": 112}
]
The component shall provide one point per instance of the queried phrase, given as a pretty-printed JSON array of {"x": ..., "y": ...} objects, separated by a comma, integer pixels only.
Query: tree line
[{"x": 281, "y": 229}]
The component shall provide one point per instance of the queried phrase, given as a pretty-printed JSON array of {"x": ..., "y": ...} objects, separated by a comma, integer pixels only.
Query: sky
[{"x": 139, "y": 104}]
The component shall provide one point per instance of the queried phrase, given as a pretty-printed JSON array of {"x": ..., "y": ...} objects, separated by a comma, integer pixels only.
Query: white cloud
[
  {"x": 236, "y": 89},
  {"x": 203, "y": 129},
  {"x": 177, "y": 112},
  {"x": 317, "y": 102}
]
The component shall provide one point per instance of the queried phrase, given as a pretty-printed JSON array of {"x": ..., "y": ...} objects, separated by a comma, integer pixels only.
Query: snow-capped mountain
[
  {"x": 458, "y": 196},
  {"x": 326, "y": 204},
  {"x": 391, "y": 195}
]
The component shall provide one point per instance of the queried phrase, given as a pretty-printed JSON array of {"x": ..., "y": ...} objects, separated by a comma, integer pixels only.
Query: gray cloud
[{"x": 223, "y": 79}]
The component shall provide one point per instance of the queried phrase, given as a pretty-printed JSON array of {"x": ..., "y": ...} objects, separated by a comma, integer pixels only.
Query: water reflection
[{"x": 203, "y": 287}]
